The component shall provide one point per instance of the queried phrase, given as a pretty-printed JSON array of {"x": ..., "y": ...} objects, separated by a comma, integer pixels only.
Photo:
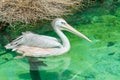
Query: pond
[{"x": 96, "y": 60}]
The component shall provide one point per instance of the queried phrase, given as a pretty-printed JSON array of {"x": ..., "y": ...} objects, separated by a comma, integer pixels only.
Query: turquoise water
[{"x": 98, "y": 60}]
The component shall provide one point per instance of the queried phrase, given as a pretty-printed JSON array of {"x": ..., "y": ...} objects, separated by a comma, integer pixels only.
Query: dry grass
[{"x": 33, "y": 10}]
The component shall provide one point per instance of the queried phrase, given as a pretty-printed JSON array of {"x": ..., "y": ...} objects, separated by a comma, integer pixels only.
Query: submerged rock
[{"x": 110, "y": 44}]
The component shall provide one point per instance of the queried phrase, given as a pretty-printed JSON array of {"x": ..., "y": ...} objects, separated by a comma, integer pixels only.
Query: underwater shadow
[
  {"x": 44, "y": 75},
  {"x": 37, "y": 73}
]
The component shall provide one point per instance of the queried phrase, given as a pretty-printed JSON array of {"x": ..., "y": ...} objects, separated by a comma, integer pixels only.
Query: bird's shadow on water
[
  {"x": 44, "y": 75},
  {"x": 37, "y": 73}
]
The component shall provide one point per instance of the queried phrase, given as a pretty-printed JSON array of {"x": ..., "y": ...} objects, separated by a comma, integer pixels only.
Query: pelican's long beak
[{"x": 74, "y": 31}]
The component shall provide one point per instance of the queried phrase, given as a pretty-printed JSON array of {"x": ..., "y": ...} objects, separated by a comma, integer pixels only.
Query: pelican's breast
[{"x": 37, "y": 51}]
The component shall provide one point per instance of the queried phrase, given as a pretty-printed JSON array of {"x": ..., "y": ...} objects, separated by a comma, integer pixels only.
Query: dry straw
[{"x": 33, "y": 10}]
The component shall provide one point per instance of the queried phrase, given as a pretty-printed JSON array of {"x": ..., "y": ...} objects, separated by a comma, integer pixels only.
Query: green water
[{"x": 99, "y": 60}]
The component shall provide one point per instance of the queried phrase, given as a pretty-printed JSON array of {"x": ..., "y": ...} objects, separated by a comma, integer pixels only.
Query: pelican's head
[
  {"x": 61, "y": 24},
  {"x": 58, "y": 23}
]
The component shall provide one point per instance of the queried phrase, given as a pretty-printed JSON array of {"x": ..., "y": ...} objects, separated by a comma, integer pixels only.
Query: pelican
[{"x": 34, "y": 45}]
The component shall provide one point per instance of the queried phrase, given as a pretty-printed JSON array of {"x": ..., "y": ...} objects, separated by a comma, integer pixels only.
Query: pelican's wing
[
  {"x": 15, "y": 43},
  {"x": 31, "y": 39},
  {"x": 42, "y": 36}
]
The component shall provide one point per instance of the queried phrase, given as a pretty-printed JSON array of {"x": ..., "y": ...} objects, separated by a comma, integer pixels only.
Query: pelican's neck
[{"x": 65, "y": 41}]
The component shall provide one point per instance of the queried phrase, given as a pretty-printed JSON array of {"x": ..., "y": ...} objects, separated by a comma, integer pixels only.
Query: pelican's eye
[{"x": 63, "y": 23}]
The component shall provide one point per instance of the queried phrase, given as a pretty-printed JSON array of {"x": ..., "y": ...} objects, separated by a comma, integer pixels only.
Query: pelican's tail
[{"x": 15, "y": 43}]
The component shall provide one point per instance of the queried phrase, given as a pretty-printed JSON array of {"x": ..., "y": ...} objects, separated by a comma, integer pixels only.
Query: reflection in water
[
  {"x": 60, "y": 64},
  {"x": 34, "y": 70},
  {"x": 35, "y": 75}
]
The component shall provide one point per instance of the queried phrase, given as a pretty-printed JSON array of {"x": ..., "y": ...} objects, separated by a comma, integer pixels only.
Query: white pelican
[{"x": 34, "y": 45}]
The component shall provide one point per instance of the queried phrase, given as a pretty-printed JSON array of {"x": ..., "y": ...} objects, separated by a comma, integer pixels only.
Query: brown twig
[{"x": 29, "y": 10}]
